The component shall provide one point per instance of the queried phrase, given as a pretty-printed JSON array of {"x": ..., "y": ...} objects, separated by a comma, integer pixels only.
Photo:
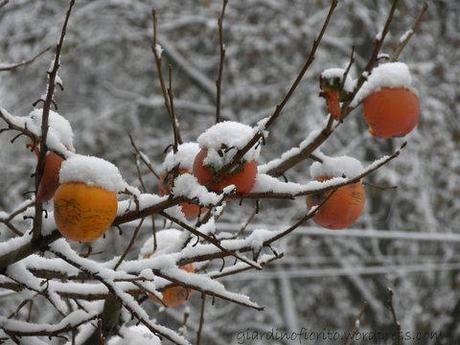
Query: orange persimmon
[
  {"x": 175, "y": 295},
  {"x": 391, "y": 112},
  {"x": 342, "y": 208},
  {"x": 83, "y": 212},
  {"x": 243, "y": 178},
  {"x": 190, "y": 210}
]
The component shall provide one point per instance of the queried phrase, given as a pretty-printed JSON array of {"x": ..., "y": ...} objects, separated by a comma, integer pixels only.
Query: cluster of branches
[{"x": 124, "y": 285}]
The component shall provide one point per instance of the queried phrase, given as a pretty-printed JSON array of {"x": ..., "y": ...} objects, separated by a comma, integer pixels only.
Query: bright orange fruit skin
[
  {"x": 175, "y": 295},
  {"x": 342, "y": 209},
  {"x": 50, "y": 179},
  {"x": 243, "y": 180},
  {"x": 391, "y": 112},
  {"x": 190, "y": 210},
  {"x": 82, "y": 212}
]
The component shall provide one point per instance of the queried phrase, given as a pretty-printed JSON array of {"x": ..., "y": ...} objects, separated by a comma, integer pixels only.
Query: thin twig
[
  {"x": 346, "y": 109},
  {"x": 200, "y": 326},
  {"x": 259, "y": 135},
  {"x": 167, "y": 93},
  {"x": 220, "y": 22},
  {"x": 13, "y": 66},
  {"x": 130, "y": 244},
  {"x": 408, "y": 35},
  {"x": 141, "y": 155},
  {"x": 397, "y": 324},
  {"x": 52, "y": 74},
  {"x": 209, "y": 239},
  {"x": 174, "y": 120},
  {"x": 356, "y": 324}
]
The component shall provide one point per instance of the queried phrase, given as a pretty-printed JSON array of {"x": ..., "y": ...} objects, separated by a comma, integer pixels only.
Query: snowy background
[{"x": 407, "y": 239}]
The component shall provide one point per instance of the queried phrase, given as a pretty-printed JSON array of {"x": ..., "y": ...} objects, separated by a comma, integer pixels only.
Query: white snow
[
  {"x": 60, "y": 135},
  {"x": 135, "y": 335},
  {"x": 393, "y": 74},
  {"x": 159, "y": 50},
  {"x": 92, "y": 171},
  {"x": 184, "y": 157},
  {"x": 227, "y": 135},
  {"x": 187, "y": 185},
  {"x": 290, "y": 153},
  {"x": 406, "y": 35},
  {"x": 342, "y": 166},
  {"x": 168, "y": 241},
  {"x": 59, "y": 127},
  {"x": 338, "y": 73}
]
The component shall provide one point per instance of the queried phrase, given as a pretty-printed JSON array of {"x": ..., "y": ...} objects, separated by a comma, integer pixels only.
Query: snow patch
[
  {"x": 343, "y": 166},
  {"x": 227, "y": 137},
  {"x": 337, "y": 73},
  {"x": 59, "y": 127},
  {"x": 168, "y": 241},
  {"x": 184, "y": 157},
  {"x": 393, "y": 74},
  {"x": 92, "y": 171}
]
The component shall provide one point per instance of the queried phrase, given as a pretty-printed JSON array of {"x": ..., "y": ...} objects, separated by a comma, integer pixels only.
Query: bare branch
[
  {"x": 130, "y": 244},
  {"x": 391, "y": 306},
  {"x": 52, "y": 74},
  {"x": 141, "y": 155},
  {"x": 408, "y": 35},
  {"x": 200, "y": 327},
  {"x": 13, "y": 66},
  {"x": 209, "y": 239},
  {"x": 167, "y": 93},
  {"x": 220, "y": 23},
  {"x": 356, "y": 324},
  {"x": 240, "y": 154}
]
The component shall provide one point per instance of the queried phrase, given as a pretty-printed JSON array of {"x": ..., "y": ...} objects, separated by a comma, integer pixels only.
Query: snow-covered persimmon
[
  {"x": 243, "y": 177},
  {"x": 390, "y": 103},
  {"x": 183, "y": 160},
  {"x": 168, "y": 241},
  {"x": 391, "y": 112},
  {"x": 85, "y": 204},
  {"x": 218, "y": 146},
  {"x": 344, "y": 206},
  {"x": 83, "y": 212}
]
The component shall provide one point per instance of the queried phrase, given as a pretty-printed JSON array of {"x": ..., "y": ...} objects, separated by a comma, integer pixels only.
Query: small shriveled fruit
[
  {"x": 332, "y": 98},
  {"x": 83, "y": 212},
  {"x": 341, "y": 209},
  {"x": 49, "y": 182},
  {"x": 391, "y": 112}
]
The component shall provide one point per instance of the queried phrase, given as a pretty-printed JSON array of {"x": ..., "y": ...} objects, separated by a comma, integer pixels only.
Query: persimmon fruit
[
  {"x": 342, "y": 208},
  {"x": 190, "y": 210},
  {"x": 391, "y": 112},
  {"x": 243, "y": 178},
  {"x": 83, "y": 212},
  {"x": 175, "y": 295}
]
